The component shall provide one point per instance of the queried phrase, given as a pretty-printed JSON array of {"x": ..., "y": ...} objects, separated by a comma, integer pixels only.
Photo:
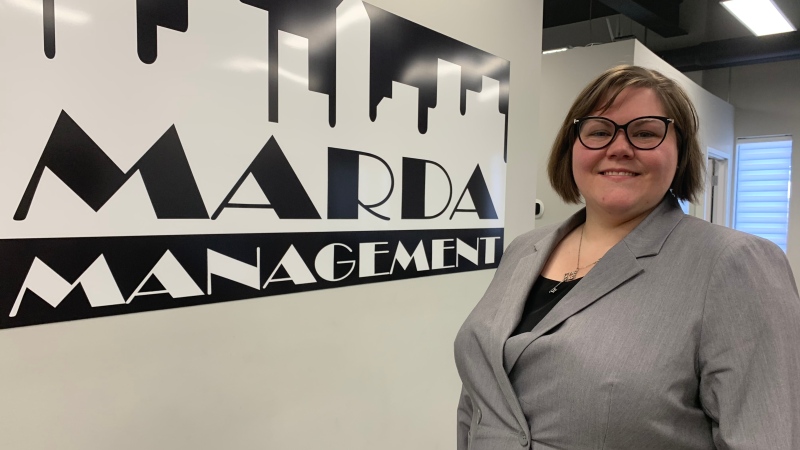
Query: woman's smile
[{"x": 618, "y": 173}]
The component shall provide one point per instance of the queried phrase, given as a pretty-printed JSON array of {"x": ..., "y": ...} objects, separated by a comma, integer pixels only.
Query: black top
[{"x": 540, "y": 301}]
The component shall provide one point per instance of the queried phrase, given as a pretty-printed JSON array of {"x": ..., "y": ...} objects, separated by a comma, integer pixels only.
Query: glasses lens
[
  {"x": 647, "y": 133},
  {"x": 596, "y": 133}
]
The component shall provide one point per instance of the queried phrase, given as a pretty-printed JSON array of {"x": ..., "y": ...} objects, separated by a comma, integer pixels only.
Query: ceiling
[{"x": 689, "y": 34}]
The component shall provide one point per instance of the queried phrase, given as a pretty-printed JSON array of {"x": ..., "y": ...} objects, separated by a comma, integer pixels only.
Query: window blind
[{"x": 763, "y": 176}]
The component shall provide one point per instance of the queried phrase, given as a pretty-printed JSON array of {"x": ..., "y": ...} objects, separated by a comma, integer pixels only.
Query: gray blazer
[{"x": 686, "y": 335}]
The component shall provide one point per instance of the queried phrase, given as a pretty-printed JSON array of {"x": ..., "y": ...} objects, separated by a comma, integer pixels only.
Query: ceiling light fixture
[
  {"x": 556, "y": 50},
  {"x": 762, "y": 17}
]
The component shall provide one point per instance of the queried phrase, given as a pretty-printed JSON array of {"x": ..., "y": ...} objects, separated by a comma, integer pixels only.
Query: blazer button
[
  {"x": 479, "y": 417},
  {"x": 523, "y": 440}
]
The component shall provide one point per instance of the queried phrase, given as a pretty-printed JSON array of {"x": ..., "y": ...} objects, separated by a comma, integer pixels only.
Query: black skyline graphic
[
  {"x": 315, "y": 20},
  {"x": 49, "y": 19},
  {"x": 396, "y": 44},
  {"x": 151, "y": 14}
]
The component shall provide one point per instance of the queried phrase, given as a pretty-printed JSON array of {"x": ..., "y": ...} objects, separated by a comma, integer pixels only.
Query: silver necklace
[{"x": 570, "y": 276}]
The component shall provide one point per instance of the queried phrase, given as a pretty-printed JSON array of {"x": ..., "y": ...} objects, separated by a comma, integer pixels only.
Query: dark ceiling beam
[
  {"x": 565, "y": 12},
  {"x": 735, "y": 52},
  {"x": 661, "y": 16}
]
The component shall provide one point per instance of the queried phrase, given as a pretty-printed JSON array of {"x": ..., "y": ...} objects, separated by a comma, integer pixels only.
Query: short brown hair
[{"x": 688, "y": 181}]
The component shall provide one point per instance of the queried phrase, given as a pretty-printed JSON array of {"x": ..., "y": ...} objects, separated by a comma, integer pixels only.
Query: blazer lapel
[
  {"x": 527, "y": 270},
  {"x": 617, "y": 266},
  {"x": 513, "y": 303},
  {"x": 620, "y": 264}
]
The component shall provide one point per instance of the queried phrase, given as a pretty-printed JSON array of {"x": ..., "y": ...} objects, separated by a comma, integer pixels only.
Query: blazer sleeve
[
  {"x": 464, "y": 418},
  {"x": 749, "y": 354}
]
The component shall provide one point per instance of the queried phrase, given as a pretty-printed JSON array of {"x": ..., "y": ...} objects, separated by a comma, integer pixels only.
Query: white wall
[
  {"x": 765, "y": 97},
  {"x": 568, "y": 72},
  {"x": 351, "y": 368}
]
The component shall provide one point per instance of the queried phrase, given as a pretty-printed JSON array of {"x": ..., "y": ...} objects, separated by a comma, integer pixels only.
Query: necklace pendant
[{"x": 569, "y": 276}]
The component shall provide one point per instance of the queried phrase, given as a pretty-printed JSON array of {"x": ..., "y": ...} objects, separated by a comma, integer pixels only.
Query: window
[{"x": 763, "y": 177}]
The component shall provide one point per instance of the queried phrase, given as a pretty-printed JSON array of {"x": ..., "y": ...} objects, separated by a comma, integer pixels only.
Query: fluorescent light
[
  {"x": 762, "y": 17},
  {"x": 555, "y": 50}
]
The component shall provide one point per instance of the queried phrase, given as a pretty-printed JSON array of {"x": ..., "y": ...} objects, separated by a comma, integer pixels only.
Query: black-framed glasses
[{"x": 644, "y": 133}]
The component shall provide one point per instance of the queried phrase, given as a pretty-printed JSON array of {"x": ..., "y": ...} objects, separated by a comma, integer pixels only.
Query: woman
[{"x": 632, "y": 325}]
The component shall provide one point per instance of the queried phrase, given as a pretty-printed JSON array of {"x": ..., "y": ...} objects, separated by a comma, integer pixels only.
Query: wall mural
[{"x": 162, "y": 154}]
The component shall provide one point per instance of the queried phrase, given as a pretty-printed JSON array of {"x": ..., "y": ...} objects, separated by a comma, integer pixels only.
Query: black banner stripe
[{"x": 61, "y": 279}]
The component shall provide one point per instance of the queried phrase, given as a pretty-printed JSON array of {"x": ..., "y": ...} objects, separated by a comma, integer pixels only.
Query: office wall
[
  {"x": 765, "y": 97},
  {"x": 351, "y": 368},
  {"x": 716, "y": 116},
  {"x": 568, "y": 72}
]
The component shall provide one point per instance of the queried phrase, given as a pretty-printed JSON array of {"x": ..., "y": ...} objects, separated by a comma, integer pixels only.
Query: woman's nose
[{"x": 620, "y": 146}]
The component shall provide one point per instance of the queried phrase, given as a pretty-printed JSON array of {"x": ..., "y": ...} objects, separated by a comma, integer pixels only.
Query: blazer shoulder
[
  {"x": 736, "y": 256},
  {"x": 717, "y": 237}
]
